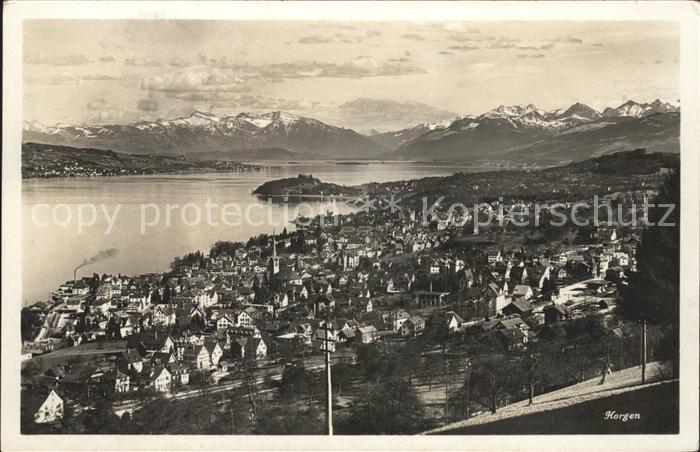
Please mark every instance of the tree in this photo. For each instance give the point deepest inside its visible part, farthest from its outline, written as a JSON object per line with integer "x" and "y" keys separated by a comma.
{"x": 490, "y": 380}
{"x": 167, "y": 296}
{"x": 548, "y": 288}
{"x": 370, "y": 360}
{"x": 237, "y": 413}
{"x": 606, "y": 351}
{"x": 390, "y": 408}
{"x": 410, "y": 359}
{"x": 102, "y": 420}
{"x": 341, "y": 376}
{"x": 434, "y": 364}
{"x": 250, "y": 386}
{"x": 293, "y": 382}
{"x": 535, "y": 366}
{"x": 653, "y": 292}
{"x": 492, "y": 374}
{"x": 290, "y": 419}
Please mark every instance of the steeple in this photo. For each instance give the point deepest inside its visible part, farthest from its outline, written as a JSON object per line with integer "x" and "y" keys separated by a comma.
{"x": 275, "y": 259}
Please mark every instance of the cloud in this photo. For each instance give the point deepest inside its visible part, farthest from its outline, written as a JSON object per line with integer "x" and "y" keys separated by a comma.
{"x": 57, "y": 60}
{"x": 567, "y": 40}
{"x": 147, "y": 105}
{"x": 107, "y": 59}
{"x": 538, "y": 55}
{"x": 142, "y": 62}
{"x": 351, "y": 36}
{"x": 658, "y": 62}
{"x": 464, "y": 48}
{"x": 387, "y": 114}
{"x": 449, "y": 27}
{"x": 98, "y": 103}
{"x": 360, "y": 67}
{"x": 68, "y": 78}
{"x": 549, "y": 45}
{"x": 195, "y": 79}
{"x": 315, "y": 39}
{"x": 445, "y": 52}
{"x": 413, "y": 37}
{"x": 501, "y": 46}
{"x": 367, "y": 66}
{"x": 262, "y": 103}
{"x": 101, "y": 111}
{"x": 219, "y": 63}
{"x": 98, "y": 77}
{"x": 114, "y": 115}
{"x": 470, "y": 37}
{"x": 179, "y": 62}
{"x": 527, "y": 48}
{"x": 198, "y": 96}
{"x": 597, "y": 44}
{"x": 482, "y": 66}
{"x": 65, "y": 79}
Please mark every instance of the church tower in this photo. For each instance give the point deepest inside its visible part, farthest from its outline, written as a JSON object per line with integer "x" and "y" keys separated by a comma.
{"x": 275, "y": 259}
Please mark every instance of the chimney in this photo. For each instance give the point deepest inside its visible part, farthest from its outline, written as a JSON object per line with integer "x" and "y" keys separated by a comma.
{"x": 75, "y": 271}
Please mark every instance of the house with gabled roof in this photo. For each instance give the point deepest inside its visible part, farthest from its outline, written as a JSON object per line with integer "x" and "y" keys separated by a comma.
{"x": 367, "y": 334}
{"x": 198, "y": 356}
{"x": 413, "y": 326}
{"x": 43, "y": 404}
{"x": 214, "y": 350}
{"x": 520, "y": 307}
{"x": 163, "y": 315}
{"x": 160, "y": 379}
{"x": 522, "y": 291}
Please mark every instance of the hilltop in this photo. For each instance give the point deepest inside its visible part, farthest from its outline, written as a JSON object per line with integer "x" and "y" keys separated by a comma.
{"x": 42, "y": 160}
{"x": 303, "y": 186}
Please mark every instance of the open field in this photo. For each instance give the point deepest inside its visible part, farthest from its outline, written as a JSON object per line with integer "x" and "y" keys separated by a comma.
{"x": 581, "y": 409}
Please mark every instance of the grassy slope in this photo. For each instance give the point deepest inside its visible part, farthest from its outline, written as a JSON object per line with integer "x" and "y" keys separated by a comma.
{"x": 581, "y": 408}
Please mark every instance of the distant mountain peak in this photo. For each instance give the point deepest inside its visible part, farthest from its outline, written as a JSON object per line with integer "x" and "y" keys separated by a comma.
{"x": 637, "y": 110}
{"x": 580, "y": 110}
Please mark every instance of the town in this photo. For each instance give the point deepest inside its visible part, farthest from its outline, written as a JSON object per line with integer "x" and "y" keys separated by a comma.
{"x": 240, "y": 332}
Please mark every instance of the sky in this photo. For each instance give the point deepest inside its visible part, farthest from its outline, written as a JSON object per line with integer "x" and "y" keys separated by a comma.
{"x": 361, "y": 75}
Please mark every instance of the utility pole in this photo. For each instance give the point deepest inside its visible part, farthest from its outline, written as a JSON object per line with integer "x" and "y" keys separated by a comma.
{"x": 447, "y": 398}
{"x": 622, "y": 345}
{"x": 468, "y": 370}
{"x": 328, "y": 346}
{"x": 644, "y": 350}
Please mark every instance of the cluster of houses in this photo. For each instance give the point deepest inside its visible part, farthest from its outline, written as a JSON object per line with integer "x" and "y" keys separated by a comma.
{"x": 360, "y": 281}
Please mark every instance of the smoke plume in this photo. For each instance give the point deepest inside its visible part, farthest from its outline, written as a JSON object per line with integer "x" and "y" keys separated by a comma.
{"x": 102, "y": 255}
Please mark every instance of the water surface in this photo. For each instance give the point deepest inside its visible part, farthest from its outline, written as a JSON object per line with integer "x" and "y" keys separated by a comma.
{"x": 51, "y": 251}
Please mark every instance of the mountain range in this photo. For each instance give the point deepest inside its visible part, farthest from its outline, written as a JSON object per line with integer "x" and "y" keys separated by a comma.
{"x": 520, "y": 133}
{"x": 205, "y": 133}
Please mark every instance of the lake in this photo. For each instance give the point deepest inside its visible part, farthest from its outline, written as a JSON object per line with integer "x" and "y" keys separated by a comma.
{"x": 126, "y": 211}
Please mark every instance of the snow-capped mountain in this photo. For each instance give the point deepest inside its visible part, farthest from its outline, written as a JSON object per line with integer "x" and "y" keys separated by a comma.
{"x": 636, "y": 110}
{"x": 509, "y": 129}
{"x": 395, "y": 139}
{"x": 207, "y": 132}
{"x": 500, "y": 131}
